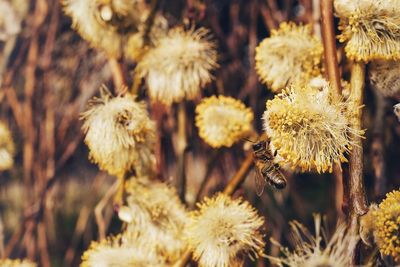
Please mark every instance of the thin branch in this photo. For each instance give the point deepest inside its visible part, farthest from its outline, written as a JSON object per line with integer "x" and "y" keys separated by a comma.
{"x": 182, "y": 146}
{"x": 329, "y": 41}
{"x": 358, "y": 200}
{"x": 98, "y": 211}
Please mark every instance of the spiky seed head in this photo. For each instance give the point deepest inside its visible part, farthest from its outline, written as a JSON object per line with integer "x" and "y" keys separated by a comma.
{"x": 386, "y": 225}
{"x": 290, "y": 54}
{"x": 7, "y": 148}
{"x": 384, "y": 76}
{"x": 179, "y": 65}
{"x": 155, "y": 212}
{"x": 371, "y": 29}
{"x": 120, "y": 134}
{"x": 223, "y": 120}
{"x": 309, "y": 128}
{"x": 316, "y": 250}
{"x": 223, "y": 230}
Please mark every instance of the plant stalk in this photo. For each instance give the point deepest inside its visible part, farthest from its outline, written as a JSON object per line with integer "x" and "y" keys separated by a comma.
{"x": 358, "y": 200}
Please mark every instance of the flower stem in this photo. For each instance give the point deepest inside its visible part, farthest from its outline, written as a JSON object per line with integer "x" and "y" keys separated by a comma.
{"x": 332, "y": 70}
{"x": 329, "y": 41}
{"x": 117, "y": 74}
{"x": 181, "y": 151}
{"x": 358, "y": 200}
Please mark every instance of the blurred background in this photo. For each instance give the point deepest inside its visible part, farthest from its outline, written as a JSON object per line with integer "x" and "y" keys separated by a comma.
{"x": 48, "y": 73}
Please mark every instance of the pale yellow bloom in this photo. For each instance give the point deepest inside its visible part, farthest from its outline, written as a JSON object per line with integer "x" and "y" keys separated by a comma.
{"x": 155, "y": 213}
{"x": 179, "y": 65}
{"x": 386, "y": 226}
{"x": 309, "y": 128}
{"x": 371, "y": 28}
{"x": 107, "y": 24}
{"x": 309, "y": 251}
{"x": 10, "y": 23}
{"x": 223, "y": 230}
{"x": 17, "y": 263}
{"x": 385, "y": 76}
{"x": 222, "y": 120}
{"x": 120, "y": 134}
{"x": 122, "y": 251}
{"x": 7, "y": 148}
{"x": 292, "y": 53}
{"x": 396, "y": 110}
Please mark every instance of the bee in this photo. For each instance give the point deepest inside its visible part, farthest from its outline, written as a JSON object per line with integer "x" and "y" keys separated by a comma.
{"x": 265, "y": 168}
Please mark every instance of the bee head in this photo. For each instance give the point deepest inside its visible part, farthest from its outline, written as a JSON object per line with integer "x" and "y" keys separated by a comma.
{"x": 257, "y": 146}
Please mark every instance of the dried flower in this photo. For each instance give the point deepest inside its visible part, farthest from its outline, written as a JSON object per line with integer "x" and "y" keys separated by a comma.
{"x": 385, "y": 76}
{"x": 16, "y": 263}
{"x": 309, "y": 252}
{"x": 292, "y": 53}
{"x": 120, "y": 135}
{"x": 387, "y": 225}
{"x": 10, "y": 23}
{"x": 223, "y": 120}
{"x": 106, "y": 24}
{"x": 309, "y": 128}
{"x": 179, "y": 65}
{"x": 223, "y": 230}
{"x": 154, "y": 212}
{"x": 121, "y": 251}
{"x": 396, "y": 110}
{"x": 371, "y": 28}
{"x": 6, "y": 148}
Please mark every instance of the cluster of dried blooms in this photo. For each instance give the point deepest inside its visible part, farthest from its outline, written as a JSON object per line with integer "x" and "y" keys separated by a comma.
{"x": 309, "y": 126}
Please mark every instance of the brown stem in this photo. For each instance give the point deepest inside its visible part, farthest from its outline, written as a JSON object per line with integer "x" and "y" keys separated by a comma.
{"x": 181, "y": 151}
{"x": 358, "y": 200}
{"x": 117, "y": 74}
{"x": 329, "y": 41}
{"x": 240, "y": 175}
{"x": 332, "y": 70}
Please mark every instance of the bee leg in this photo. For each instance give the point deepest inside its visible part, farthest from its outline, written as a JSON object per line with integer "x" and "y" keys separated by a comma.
{"x": 275, "y": 153}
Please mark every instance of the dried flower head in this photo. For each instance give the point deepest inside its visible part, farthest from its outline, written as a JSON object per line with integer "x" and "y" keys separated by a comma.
{"x": 224, "y": 230}
{"x": 309, "y": 251}
{"x": 154, "y": 212}
{"x": 16, "y": 263}
{"x": 122, "y": 251}
{"x": 10, "y": 23}
{"x": 223, "y": 120}
{"x": 370, "y": 28}
{"x": 292, "y": 53}
{"x": 6, "y": 148}
{"x": 120, "y": 134}
{"x": 106, "y": 23}
{"x": 179, "y": 65}
{"x": 387, "y": 225}
{"x": 385, "y": 76}
{"x": 309, "y": 128}
{"x": 396, "y": 110}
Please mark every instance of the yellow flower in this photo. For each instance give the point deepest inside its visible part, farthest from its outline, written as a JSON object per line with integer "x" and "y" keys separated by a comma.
{"x": 387, "y": 225}
{"x": 308, "y": 128}
{"x": 122, "y": 251}
{"x": 179, "y": 65}
{"x": 223, "y": 120}
{"x": 223, "y": 230}
{"x": 370, "y": 28}
{"x": 309, "y": 251}
{"x": 154, "y": 212}
{"x": 106, "y": 24}
{"x": 292, "y": 53}
{"x": 120, "y": 134}
{"x": 6, "y": 148}
{"x": 16, "y": 263}
{"x": 385, "y": 76}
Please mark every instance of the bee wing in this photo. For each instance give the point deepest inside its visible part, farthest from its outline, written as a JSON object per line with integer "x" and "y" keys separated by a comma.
{"x": 260, "y": 181}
